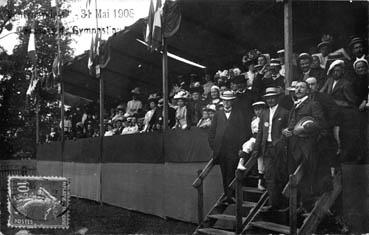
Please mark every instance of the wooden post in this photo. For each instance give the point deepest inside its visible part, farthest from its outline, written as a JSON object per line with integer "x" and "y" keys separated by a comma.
{"x": 288, "y": 42}
{"x": 293, "y": 205}
{"x": 239, "y": 200}
{"x": 37, "y": 121}
{"x": 101, "y": 134}
{"x": 165, "y": 84}
{"x": 200, "y": 201}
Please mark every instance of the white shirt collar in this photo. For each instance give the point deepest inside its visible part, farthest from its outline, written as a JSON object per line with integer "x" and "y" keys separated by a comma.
{"x": 272, "y": 109}
{"x": 300, "y": 101}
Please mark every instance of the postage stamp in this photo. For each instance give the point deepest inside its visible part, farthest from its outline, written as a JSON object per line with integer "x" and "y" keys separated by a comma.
{"x": 38, "y": 202}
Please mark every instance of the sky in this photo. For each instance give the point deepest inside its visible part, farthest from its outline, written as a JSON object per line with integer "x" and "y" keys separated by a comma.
{"x": 113, "y": 16}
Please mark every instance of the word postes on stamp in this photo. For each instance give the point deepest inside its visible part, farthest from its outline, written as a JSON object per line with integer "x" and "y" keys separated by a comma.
{"x": 38, "y": 202}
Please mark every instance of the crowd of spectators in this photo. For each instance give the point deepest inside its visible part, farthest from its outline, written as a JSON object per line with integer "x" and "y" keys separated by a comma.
{"x": 194, "y": 99}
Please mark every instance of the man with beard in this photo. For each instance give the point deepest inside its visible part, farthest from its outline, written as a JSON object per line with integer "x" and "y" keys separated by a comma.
{"x": 302, "y": 138}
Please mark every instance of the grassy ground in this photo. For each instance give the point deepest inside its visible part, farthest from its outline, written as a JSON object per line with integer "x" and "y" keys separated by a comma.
{"x": 108, "y": 219}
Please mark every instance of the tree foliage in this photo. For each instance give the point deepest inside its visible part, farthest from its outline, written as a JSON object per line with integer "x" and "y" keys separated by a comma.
{"x": 17, "y": 119}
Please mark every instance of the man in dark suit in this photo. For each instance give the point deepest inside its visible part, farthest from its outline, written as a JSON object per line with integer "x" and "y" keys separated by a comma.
{"x": 305, "y": 71}
{"x": 341, "y": 90}
{"x": 328, "y": 145}
{"x": 270, "y": 144}
{"x": 243, "y": 104}
{"x": 302, "y": 147}
{"x": 225, "y": 139}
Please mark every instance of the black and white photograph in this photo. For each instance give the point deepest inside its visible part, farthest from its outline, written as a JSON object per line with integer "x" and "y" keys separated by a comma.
{"x": 199, "y": 117}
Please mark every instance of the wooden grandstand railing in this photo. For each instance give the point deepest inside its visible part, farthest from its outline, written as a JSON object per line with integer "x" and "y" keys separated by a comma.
{"x": 198, "y": 184}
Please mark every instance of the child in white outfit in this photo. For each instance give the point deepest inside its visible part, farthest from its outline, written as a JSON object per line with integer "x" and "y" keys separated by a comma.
{"x": 248, "y": 146}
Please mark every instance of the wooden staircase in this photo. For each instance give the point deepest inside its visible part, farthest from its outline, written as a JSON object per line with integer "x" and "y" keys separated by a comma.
{"x": 249, "y": 214}
{"x": 222, "y": 217}
{"x": 309, "y": 221}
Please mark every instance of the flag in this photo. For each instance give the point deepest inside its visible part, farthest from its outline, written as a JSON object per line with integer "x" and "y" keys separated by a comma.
{"x": 156, "y": 28}
{"x": 32, "y": 46}
{"x": 32, "y": 84}
{"x": 56, "y": 67}
{"x": 150, "y": 20}
{"x": 93, "y": 58}
{"x": 91, "y": 55}
{"x": 31, "y": 50}
{"x": 171, "y": 18}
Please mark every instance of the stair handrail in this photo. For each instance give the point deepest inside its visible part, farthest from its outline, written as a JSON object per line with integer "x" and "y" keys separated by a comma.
{"x": 240, "y": 175}
{"x": 200, "y": 178}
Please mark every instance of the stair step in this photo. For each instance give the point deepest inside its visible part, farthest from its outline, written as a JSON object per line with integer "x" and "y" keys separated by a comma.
{"x": 248, "y": 204}
{"x": 252, "y": 190}
{"x": 223, "y": 217}
{"x": 280, "y": 228}
{"x": 215, "y": 231}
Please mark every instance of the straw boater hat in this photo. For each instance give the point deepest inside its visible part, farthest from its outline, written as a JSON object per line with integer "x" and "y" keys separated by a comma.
{"x": 275, "y": 62}
{"x": 355, "y": 40}
{"x": 305, "y": 55}
{"x": 306, "y": 126}
{"x": 334, "y": 64}
{"x": 280, "y": 52}
{"x": 258, "y": 103}
{"x": 228, "y": 95}
{"x": 272, "y": 91}
{"x": 323, "y": 44}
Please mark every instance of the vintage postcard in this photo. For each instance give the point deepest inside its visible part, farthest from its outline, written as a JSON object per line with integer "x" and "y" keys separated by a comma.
{"x": 38, "y": 202}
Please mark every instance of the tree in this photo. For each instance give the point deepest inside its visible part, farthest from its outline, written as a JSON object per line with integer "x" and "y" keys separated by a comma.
{"x": 17, "y": 122}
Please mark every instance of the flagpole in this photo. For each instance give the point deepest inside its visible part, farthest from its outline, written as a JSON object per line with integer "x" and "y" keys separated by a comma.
{"x": 58, "y": 73}
{"x": 165, "y": 84}
{"x": 101, "y": 100}
{"x": 37, "y": 110}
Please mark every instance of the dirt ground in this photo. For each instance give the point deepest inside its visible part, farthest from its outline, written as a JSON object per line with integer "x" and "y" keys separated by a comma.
{"x": 106, "y": 219}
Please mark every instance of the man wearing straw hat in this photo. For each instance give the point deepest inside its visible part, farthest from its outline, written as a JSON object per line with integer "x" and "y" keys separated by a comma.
{"x": 225, "y": 139}
{"x": 270, "y": 145}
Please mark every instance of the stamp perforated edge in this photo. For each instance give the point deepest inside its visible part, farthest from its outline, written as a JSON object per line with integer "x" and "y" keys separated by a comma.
{"x": 60, "y": 178}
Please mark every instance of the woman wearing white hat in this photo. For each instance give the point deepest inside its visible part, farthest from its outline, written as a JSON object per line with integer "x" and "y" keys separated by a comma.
{"x": 182, "y": 113}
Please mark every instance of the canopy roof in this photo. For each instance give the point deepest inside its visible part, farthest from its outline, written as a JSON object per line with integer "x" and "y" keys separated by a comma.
{"x": 215, "y": 34}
